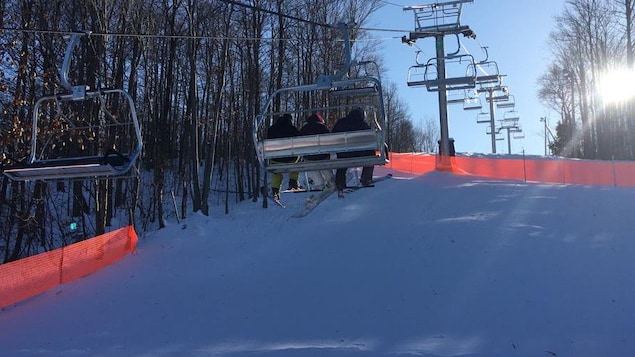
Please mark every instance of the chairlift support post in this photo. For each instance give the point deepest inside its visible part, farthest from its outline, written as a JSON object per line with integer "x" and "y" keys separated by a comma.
{"x": 492, "y": 123}
{"x": 108, "y": 164}
{"x": 495, "y": 94}
{"x": 438, "y": 20}
{"x": 514, "y": 129}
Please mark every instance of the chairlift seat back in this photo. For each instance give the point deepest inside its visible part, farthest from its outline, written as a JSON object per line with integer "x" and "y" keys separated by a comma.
{"x": 337, "y": 100}
{"x": 66, "y": 127}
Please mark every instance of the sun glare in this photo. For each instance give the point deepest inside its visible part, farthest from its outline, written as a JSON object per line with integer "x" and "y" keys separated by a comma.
{"x": 618, "y": 86}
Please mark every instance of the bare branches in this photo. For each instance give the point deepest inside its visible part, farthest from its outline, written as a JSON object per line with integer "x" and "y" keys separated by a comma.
{"x": 592, "y": 38}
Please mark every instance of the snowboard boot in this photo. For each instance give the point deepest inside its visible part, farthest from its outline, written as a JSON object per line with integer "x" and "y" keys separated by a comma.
{"x": 367, "y": 183}
{"x": 275, "y": 193}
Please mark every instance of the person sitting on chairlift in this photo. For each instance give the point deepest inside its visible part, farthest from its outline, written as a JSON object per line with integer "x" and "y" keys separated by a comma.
{"x": 355, "y": 120}
{"x": 314, "y": 124}
{"x": 283, "y": 128}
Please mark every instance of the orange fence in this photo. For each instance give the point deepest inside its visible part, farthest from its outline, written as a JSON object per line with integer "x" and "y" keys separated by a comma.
{"x": 25, "y": 278}
{"x": 536, "y": 169}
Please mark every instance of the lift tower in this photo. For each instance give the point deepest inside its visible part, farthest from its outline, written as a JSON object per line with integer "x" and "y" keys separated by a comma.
{"x": 439, "y": 20}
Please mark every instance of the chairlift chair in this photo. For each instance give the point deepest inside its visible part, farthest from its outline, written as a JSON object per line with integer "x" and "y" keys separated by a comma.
{"x": 510, "y": 103}
{"x": 500, "y": 94}
{"x": 518, "y": 133}
{"x": 332, "y": 97}
{"x": 80, "y": 134}
{"x": 483, "y": 118}
{"x": 486, "y": 73}
{"x": 488, "y": 130}
{"x": 511, "y": 116}
{"x": 418, "y": 73}
{"x": 342, "y": 96}
{"x": 472, "y": 103}
{"x": 428, "y": 75}
{"x": 456, "y": 97}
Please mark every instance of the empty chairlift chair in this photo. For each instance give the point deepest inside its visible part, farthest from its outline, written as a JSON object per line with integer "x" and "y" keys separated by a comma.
{"x": 472, "y": 103}
{"x": 80, "y": 134}
{"x": 510, "y": 103}
{"x": 456, "y": 75}
{"x": 485, "y": 71}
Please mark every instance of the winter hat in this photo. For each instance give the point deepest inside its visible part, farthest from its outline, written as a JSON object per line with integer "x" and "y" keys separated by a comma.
{"x": 315, "y": 118}
{"x": 286, "y": 119}
{"x": 357, "y": 114}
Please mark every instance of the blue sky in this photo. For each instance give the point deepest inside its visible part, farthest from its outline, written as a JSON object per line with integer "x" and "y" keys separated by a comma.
{"x": 516, "y": 34}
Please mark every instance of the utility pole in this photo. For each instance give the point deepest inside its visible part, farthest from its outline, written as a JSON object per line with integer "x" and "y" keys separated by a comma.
{"x": 544, "y": 120}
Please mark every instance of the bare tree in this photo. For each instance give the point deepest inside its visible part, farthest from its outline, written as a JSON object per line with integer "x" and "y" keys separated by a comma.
{"x": 428, "y": 136}
{"x": 588, "y": 43}
{"x": 198, "y": 73}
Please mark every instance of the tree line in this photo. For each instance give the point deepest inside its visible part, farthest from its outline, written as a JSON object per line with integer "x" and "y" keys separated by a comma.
{"x": 198, "y": 71}
{"x": 592, "y": 40}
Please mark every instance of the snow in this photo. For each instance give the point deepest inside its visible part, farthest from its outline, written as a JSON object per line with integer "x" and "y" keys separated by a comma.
{"x": 430, "y": 265}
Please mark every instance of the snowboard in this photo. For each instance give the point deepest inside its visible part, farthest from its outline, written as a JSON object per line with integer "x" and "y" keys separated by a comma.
{"x": 316, "y": 180}
{"x": 350, "y": 189}
{"x": 314, "y": 200}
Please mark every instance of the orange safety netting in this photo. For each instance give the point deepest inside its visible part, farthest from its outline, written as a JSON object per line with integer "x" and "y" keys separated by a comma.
{"x": 28, "y": 277}
{"x": 548, "y": 170}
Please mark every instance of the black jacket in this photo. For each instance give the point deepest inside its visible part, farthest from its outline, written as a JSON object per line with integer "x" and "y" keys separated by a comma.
{"x": 283, "y": 128}
{"x": 314, "y": 124}
{"x": 352, "y": 122}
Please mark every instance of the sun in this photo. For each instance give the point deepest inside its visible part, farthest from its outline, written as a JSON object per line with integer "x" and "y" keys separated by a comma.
{"x": 618, "y": 86}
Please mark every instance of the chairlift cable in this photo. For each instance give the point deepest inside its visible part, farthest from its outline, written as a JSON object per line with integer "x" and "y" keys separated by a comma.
{"x": 271, "y": 12}
{"x": 189, "y": 37}
{"x": 115, "y": 34}
{"x": 391, "y": 3}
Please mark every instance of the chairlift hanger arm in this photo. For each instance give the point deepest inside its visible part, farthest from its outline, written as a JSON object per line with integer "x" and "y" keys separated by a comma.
{"x": 417, "y": 57}
{"x": 458, "y": 47}
{"x": 484, "y": 48}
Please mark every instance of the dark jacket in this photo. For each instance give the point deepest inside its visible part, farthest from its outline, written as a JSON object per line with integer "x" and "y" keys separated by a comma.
{"x": 352, "y": 122}
{"x": 314, "y": 124}
{"x": 283, "y": 128}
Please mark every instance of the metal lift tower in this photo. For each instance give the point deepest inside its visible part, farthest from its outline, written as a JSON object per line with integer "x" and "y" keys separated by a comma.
{"x": 439, "y": 20}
